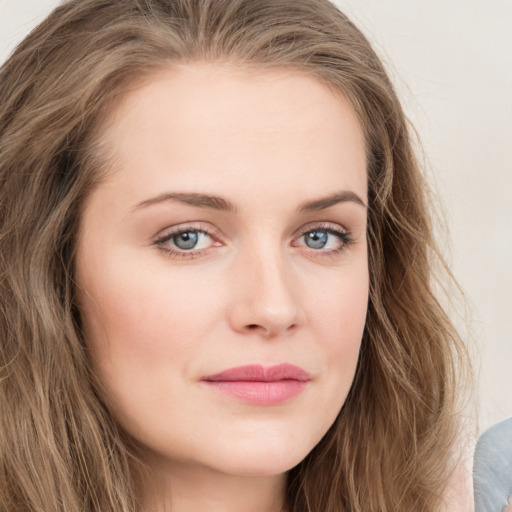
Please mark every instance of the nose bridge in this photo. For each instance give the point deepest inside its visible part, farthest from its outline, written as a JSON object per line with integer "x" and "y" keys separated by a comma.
{"x": 267, "y": 300}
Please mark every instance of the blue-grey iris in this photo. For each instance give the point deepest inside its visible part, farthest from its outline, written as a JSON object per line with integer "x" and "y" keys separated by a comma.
{"x": 186, "y": 240}
{"x": 316, "y": 239}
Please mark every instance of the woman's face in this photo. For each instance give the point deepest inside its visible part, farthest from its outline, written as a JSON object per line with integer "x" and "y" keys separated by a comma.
{"x": 222, "y": 266}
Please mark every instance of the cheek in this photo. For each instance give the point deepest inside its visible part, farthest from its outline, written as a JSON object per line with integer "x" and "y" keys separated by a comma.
{"x": 341, "y": 318}
{"x": 340, "y": 304}
{"x": 141, "y": 312}
{"x": 138, "y": 322}
{"x": 143, "y": 335}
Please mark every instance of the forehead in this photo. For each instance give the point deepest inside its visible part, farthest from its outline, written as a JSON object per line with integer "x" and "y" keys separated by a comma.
{"x": 215, "y": 122}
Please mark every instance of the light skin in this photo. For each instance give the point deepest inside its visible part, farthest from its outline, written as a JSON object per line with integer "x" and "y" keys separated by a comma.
{"x": 230, "y": 232}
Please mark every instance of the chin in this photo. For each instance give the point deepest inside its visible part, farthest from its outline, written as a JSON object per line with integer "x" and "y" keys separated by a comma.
{"x": 258, "y": 460}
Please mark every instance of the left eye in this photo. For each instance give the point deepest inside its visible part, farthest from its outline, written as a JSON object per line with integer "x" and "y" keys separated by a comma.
{"x": 323, "y": 239}
{"x": 190, "y": 239}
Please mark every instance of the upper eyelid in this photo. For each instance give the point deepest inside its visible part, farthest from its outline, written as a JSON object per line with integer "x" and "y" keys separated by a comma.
{"x": 326, "y": 225}
{"x": 162, "y": 242}
{"x": 213, "y": 231}
{"x": 183, "y": 228}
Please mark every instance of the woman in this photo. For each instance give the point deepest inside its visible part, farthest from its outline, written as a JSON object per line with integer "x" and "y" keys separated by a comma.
{"x": 216, "y": 268}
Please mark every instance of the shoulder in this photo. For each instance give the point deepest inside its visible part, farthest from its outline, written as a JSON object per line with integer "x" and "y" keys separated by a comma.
{"x": 496, "y": 439}
{"x": 492, "y": 470}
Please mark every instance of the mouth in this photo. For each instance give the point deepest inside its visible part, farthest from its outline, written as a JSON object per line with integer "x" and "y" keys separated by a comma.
{"x": 260, "y": 385}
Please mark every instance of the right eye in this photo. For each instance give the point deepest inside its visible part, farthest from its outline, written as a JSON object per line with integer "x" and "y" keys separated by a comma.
{"x": 190, "y": 239}
{"x": 186, "y": 242}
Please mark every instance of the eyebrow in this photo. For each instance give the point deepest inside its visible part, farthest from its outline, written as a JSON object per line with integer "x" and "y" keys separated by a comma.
{"x": 326, "y": 202}
{"x": 219, "y": 203}
{"x": 192, "y": 199}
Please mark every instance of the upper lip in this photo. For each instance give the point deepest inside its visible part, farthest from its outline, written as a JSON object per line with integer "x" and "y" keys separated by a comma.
{"x": 259, "y": 373}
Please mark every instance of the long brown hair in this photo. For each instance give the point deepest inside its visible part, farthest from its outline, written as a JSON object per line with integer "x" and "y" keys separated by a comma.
{"x": 60, "y": 449}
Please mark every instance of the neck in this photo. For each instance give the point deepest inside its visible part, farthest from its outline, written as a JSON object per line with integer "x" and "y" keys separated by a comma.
{"x": 188, "y": 488}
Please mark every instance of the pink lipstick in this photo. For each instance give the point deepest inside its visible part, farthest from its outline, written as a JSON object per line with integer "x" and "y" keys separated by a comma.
{"x": 260, "y": 385}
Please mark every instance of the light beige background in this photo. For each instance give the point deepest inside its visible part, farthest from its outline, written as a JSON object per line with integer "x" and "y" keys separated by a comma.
{"x": 452, "y": 63}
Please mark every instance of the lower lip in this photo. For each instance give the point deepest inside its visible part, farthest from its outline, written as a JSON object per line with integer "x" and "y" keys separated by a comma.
{"x": 259, "y": 392}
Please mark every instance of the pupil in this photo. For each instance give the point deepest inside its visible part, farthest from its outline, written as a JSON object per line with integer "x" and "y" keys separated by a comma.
{"x": 187, "y": 240}
{"x": 316, "y": 239}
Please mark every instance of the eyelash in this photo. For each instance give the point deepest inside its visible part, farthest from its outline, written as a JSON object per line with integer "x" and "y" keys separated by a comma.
{"x": 162, "y": 243}
{"x": 345, "y": 238}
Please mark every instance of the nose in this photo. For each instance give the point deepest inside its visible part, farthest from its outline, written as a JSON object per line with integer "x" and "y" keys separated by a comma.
{"x": 266, "y": 298}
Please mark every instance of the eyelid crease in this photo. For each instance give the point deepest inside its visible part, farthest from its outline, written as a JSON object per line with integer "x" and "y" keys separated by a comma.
{"x": 201, "y": 226}
{"x": 325, "y": 225}
{"x": 183, "y": 227}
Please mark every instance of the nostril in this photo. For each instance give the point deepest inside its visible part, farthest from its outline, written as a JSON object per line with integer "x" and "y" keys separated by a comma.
{"x": 268, "y": 332}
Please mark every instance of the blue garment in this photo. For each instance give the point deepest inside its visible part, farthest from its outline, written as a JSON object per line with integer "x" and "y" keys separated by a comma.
{"x": 492, "y": 470}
